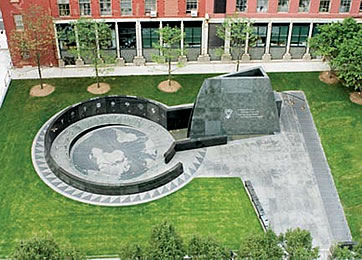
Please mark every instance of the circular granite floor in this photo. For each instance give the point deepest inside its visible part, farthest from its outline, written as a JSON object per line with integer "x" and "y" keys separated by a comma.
{"x": 122, "y": 152}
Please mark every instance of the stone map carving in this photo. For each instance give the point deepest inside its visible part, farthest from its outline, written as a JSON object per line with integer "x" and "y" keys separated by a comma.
{"x": 118, "y": 152}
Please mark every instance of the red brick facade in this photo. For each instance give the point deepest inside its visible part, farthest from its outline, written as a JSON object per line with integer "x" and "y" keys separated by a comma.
{"x": 176, "y": 10}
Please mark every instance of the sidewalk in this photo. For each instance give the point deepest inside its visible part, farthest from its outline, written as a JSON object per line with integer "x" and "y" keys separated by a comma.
{"x": 5, "y": 65}
{"x": 190, "y": 68}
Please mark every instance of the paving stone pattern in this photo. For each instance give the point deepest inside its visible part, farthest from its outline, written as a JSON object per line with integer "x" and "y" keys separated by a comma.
{"x": 332, "y": 204}
{"x": 289, "y": 173}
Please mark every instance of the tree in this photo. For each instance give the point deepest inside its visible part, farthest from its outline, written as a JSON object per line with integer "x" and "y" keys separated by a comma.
{"x": 297, "y": 244}
{"x": 348, "y": 62}
{"x": 93, "y": 37}
{"x": 339, "y": 44}
{"x": 36, "y": 41}
{"x": 237, "y": 31}
{"x": 37, "y": 248}
{"x": 165, "y": 243}
{"x": 168, "y": 46}
{"x": 206, "y": 248}
{"x": 342, "y": 252}
{"x": 265, "y": 246}
{"x": 132, "y": 252}
{"x": 40, "y": 248}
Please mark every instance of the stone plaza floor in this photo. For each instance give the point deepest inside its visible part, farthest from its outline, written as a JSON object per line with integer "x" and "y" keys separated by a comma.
{"x": 289, "y": 173}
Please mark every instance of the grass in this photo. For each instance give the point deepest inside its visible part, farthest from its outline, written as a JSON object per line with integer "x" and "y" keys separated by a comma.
{"x": 217, "y": 207}
{"x": 206, "y": 206}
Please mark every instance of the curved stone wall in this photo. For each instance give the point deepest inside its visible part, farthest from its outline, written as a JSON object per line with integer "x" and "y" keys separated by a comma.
{"x": 134, "y": 107}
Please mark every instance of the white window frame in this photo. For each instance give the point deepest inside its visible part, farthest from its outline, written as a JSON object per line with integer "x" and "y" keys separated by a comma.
{"x": 304, "y": 9}
{"x": 344, "y": 4}
{"x": 18, "y": 20}
{"x": 191, "y": 5}
{"x": 241, "y": 5}
{"x": 105, "y": 11}
{"x": 262, "y": 6}
{"x": 320, "y": 6}
{"x": 283, "y": 8}
{"x": 63, "y": 7}
{"x": 126, "y": 7}
{"x": 83, "y": 7}
{"x": 150, "y": 5}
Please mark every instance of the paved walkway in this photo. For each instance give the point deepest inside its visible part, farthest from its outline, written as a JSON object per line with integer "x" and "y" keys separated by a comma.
{"x": 289, "y": 173}
{"x": 4, "y": 74}
{"x": 191, "y": 68}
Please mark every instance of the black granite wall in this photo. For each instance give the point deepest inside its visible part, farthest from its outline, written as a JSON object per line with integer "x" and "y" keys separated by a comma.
{"x": 169, "y": 118}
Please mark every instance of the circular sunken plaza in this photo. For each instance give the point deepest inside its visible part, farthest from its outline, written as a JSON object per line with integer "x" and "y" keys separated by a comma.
{"x": 111, "y": 151}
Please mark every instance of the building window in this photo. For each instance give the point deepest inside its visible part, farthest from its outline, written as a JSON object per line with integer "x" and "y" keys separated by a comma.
{"x": 149, "y": 37}
{"x": 150, "y": 5}
{"x": 279, "y": 35}
{"x": 241, "y": 5}
{"x": 300, "y": 35}
{"x": 220, "y": 6}
{"x": 127, "y": 35}
{"x": 63, "y": 7}
{"x": 262, "y": 6}
{"x": 283, "y": 5}
{"x": 193, "y": 37}
{"x": 18, "y": 19}
{"x": 261, "y": 33}
{"x": 105, "y": 6}
{"x": 126, "y": 7}
{"x": 324, "y": 6}
{"x": 85, "y": 7}
{"x": 345, "y": 6}
{"x": 191, "y": 5}
{"x": 304, "y": 6}
{"x": 360, "y": 7}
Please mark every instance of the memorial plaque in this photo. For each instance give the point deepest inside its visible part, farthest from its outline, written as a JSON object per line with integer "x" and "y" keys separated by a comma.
{"x": 235, "y": 104}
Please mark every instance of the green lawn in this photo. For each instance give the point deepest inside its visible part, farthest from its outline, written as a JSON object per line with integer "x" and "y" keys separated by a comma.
{"x": 217, "y": 207}
{"x": 205, "y": 206}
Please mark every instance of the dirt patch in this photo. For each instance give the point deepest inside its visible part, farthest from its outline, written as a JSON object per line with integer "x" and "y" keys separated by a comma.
{"x": 169, "y": 88}
{"x": 328, "y": 77}
{"x": 37, "y": 91}
{"x": 102, "y": 89}
{"x": 356, "y": 97}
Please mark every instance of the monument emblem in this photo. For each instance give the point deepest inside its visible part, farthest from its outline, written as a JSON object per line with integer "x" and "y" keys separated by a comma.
{"x": 228, "y": 113}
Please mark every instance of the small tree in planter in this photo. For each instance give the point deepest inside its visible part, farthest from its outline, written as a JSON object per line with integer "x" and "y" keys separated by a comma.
{"x": 93, "y": 36}
{"x": 237, "y": 31}
{"x": 36, "y": 40}
{"x": 169, "y": 48}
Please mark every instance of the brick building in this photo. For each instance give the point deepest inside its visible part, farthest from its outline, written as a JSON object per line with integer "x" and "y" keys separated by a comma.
{"x": 283, "y": 26}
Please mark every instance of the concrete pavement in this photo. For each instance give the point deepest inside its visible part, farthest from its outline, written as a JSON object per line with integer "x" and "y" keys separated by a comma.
{"x": 5, "y": 65}
{"x": 153, "y": 69}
